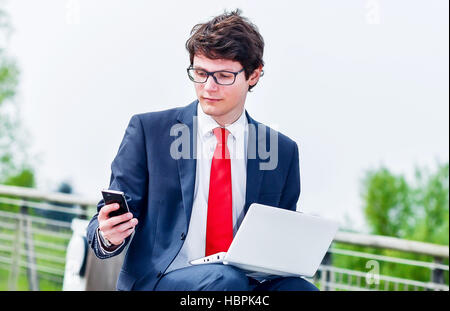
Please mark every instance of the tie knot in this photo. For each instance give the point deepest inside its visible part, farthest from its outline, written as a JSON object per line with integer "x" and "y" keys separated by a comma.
{"x": 221, "y": 134}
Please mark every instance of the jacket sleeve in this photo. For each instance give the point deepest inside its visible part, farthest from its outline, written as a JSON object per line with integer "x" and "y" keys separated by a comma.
{"x": 128, "y": 174}
{"x": 291, "y": 189}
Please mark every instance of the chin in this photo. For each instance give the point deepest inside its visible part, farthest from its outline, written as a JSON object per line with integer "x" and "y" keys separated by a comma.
{"x": 211, "y": 109}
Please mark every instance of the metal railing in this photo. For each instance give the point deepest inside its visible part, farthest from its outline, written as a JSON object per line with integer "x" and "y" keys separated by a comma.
{"x": 369, "y": 276}
{"x": 35, "y": 229}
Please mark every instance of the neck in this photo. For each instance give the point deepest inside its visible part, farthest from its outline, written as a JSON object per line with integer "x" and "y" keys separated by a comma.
{"x": 228, "y": 119}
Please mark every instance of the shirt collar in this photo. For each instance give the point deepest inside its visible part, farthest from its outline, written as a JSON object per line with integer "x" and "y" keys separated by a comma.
{"x": 206, "y": 124}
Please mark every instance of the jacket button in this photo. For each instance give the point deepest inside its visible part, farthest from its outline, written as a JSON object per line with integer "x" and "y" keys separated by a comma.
{"x": 183, "y": 235}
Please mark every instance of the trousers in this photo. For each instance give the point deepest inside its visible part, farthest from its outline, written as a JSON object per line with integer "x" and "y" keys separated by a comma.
{"x": 219, "y": 277}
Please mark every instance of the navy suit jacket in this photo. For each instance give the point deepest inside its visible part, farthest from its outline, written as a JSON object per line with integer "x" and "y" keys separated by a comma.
{"x": 160, "y": 189}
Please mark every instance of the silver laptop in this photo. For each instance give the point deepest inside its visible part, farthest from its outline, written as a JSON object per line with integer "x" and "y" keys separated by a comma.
{"x": 275, "y": 241}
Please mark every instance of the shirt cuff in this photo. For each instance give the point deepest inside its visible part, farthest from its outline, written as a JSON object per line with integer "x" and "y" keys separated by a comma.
{"x": 102, "y": 247}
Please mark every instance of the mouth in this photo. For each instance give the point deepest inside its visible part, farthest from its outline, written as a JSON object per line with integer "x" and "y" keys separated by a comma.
{"x": 212, "y": 100}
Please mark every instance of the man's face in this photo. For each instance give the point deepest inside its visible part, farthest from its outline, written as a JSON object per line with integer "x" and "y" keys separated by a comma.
{"x": 224, "y": 103}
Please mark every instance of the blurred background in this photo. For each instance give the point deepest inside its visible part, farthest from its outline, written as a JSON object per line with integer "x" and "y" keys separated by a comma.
{"x": 362, "y": 86}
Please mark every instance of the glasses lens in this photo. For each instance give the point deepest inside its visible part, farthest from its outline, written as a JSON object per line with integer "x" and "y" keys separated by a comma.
{"x": 224, "y": 78}
{"x": 197, "y": 75}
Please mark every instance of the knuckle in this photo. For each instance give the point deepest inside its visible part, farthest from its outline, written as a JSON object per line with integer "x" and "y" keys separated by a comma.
{"x": 124, "y": 230}
{"x": 104, "y": 223}
{"x": 115, "y": 229}
{"x": 104, "y": 212}
{"x": 125, "y": 226}
{"x": 129, "y": 232}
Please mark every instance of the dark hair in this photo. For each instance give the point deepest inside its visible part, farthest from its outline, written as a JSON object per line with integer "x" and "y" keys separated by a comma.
{"x": 228, "y": 36}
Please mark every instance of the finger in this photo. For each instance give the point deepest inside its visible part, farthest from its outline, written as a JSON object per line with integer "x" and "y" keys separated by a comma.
{"x": 125, "y": 226}
{"x": 127, "y": 233}
{"x": 113, "y": 221}
{"x": 108, "y": 224}
{"x": 122, "y": 236}
{"x": 116, "y": 237}
{"x": 105, "y": 210}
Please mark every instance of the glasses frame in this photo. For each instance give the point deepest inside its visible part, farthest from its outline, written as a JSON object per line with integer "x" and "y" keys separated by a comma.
{"x": 211, "y": 73}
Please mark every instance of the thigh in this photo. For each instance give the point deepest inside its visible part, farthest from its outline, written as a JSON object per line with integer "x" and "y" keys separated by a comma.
{"x": 216, "y": 277}
{"x": 286, "y": 284}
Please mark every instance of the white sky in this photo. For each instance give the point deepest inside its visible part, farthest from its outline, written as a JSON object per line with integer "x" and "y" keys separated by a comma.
{"x": 356, "y": 84}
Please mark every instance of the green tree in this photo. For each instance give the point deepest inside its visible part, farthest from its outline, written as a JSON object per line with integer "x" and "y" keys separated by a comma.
{"x": 14, "y": 165}
{"x": 418, "y": 210}
{"x": 432, "y": 199}
{"x": 415, "y": 210}
{"x": 388, "y": 205}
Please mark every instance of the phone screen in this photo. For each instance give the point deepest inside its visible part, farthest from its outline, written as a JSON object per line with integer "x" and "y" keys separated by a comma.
{"x": 110, "y": 197}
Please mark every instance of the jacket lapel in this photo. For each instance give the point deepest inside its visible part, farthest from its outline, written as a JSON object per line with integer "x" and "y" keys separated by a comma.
{"x": 187, "y": 166}
{"x": 254, "y": 173}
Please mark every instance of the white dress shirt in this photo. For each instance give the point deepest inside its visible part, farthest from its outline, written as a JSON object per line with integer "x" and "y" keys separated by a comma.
{"x": 194, "y": 245}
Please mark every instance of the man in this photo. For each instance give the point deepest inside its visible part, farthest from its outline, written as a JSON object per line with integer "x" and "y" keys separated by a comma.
{"x": 190, "y": 173}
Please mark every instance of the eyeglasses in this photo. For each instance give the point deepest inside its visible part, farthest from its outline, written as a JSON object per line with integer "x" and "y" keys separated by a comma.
{"x": 221, "y": 77}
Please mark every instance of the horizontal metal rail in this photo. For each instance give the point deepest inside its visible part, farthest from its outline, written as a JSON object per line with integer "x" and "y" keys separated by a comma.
{"x": 8, "y": 225}
{"x": 40, "y": 268}
{"x": 35, "y": 194}
{"x": 35, "y": 219}
{"x": 429, "y": 265}
{"x": 37, "y": 255}
{"x": 379, "y": 241}
{"x": 55, "y": 234}
{"x": 7, "y": 237}
{"x": 430, "y": 285}
{"x": 44, "y": 206}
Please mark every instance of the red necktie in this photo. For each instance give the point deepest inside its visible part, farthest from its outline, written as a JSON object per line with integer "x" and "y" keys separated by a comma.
{"x": 219, "y": 223}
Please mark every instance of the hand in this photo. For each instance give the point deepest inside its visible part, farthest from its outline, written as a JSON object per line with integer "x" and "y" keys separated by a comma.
{"x": 115, "y": 229}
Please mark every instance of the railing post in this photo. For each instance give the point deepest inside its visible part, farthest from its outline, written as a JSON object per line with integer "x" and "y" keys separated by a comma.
{"x": 33, "y": 283}
{"x": 437, "y": 274}
{"x": 327, "y": 261}
{"x": 15, "y": 256}
{"x": 84, "y": 212}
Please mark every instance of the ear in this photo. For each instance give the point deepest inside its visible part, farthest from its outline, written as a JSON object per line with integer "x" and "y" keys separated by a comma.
{"x": 254, "y": 77}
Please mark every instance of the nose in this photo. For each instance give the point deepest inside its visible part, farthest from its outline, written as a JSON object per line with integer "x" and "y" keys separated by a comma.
{"x": 210, "y": 84}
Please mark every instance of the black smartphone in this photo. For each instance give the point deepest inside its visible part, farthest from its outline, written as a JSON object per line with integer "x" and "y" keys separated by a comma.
{"x": 113, "y": 196}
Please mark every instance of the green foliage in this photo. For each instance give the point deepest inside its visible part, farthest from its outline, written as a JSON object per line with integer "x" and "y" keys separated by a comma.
{"x": 432, "y": 199}
{"x": 8, "y": 78}
{"x": 414, "y": 210}
{"x": 418, "y": 210}
{"x": 25, "y": 178}
{"x": 14, "y": 169}
{"x": 388, "y": 203}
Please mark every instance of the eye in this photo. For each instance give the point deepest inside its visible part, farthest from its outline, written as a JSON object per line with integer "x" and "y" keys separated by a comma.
{"x": 225, "y": 75}
{"x": 200, "y": 73}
